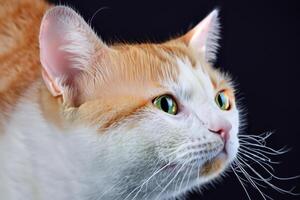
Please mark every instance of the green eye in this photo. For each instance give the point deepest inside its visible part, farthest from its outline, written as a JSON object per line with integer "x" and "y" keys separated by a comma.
{"x": 166, "y": 103}
{"x": 222, "y": 100}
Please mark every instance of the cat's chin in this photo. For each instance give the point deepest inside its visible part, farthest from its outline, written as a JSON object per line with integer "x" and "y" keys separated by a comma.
{"x": 214, "y": 166}
{"x": 205, "y": 170}
{"x": 202, "y": 174}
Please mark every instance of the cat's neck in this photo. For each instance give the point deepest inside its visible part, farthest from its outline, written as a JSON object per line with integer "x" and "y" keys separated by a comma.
{"x": 50, "y": 108}
{"x": 35, "y": 136}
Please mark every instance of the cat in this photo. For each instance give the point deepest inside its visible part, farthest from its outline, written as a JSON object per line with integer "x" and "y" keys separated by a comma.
{"x": 81, "y": 119}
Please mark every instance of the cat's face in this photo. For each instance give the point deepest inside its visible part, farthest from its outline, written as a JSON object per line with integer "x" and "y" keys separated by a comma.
{"x": 166, "y": 120}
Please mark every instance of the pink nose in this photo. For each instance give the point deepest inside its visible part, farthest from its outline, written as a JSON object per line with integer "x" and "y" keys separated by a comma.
{"x": 220, "y": 127}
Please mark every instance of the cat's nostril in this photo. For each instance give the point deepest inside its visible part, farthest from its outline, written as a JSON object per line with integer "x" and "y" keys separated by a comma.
{"x": 221, "y": 127}
{"x": 216, "y": 131}
{"x": 224, "y": 133}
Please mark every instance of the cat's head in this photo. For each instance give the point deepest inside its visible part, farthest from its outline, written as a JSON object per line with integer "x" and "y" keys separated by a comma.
{"x": 165, "y": 120}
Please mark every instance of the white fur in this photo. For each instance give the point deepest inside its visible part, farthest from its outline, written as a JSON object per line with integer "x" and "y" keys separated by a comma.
{"x": 40, "y": 162}
{"x": 133, "y": 159}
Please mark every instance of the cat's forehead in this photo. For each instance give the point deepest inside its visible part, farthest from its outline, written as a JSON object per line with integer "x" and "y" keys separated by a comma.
{"x": 162, "y": 52}
{"x": 143, "y": 70}
{"x": 166, "y": 62}
{"x": 152, "y": 62}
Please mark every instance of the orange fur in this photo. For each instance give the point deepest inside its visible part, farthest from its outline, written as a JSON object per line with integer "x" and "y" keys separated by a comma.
{"x": 19, "y": 51}
{"x": 130, "y": 70}
{"x": 212, "y": 167}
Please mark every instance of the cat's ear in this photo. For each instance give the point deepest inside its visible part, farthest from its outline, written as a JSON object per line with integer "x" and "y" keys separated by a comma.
{"x": 203, "y": 38}
{"x": 67, "y": 44}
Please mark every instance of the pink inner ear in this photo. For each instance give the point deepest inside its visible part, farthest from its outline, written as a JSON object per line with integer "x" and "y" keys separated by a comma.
{"x": 54, "y": 60}
{"x": 200, "y": 34}
{"x": 203, "y": 37}
{"x": 66, "y": 46}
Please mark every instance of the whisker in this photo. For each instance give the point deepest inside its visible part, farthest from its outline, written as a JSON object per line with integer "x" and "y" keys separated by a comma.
{"x": 253, "y": 183}
{"x": 171, "y": 180}
{"x": 271, "y": 174}
{"x": 147, "y": 180}
{"x": 260, "y": 155}
{"x": 270, "y": 184}
{"x": 185, "y": 173}
{"x": 97, "y": 11}
{"x": 254, "y": 150}
{"x": 261, "y": 137}
{"x": 241, "y": 183}
{"x": 156, "y": 172}
{"x": 110, "y": 189}
{"x": 188, "y": 181}
{"x": 266, "y": 149}
{"x": 254, "y": 179}
{"x": 248, "y": 155}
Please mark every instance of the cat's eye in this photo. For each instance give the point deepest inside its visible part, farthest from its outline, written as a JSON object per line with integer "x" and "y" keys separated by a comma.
{"x": 166, "y": 103}
{"x": 222, "y": 100}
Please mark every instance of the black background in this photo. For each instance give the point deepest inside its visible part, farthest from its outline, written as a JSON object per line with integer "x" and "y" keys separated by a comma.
{"x": 259, "y": 47}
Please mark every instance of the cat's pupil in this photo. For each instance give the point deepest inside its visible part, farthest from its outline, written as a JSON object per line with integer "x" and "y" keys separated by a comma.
{"x": 220, "y": 100}
{"x": 164, "y": 104}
